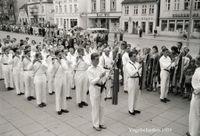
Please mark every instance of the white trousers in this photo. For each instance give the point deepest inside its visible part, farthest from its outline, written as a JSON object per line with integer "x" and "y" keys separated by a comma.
{"x": 133, "y": 93}
{"x": 21, "y": 81}
{"x": 28, "y": 84}
{"x": 97, "y": 103}
{"x": 108, "y": 91}
{"x": 194, "y": 116}
{"x": 7, "y": 74}
{"x": 16, "y": 79}
{"x": 69, "y": 80}
{"x": 81, "y": 82}
{"x": 125, "y": 79}
{"x": 40, "y": 82}
{"x": 50, "y": 82}
{"x": 164, "y": 75}
{"x": 1, "y": 71}
{"x": 60, "y": 93}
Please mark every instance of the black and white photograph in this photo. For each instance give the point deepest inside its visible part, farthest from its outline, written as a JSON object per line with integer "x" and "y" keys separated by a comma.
{"x": 99, "y": 67}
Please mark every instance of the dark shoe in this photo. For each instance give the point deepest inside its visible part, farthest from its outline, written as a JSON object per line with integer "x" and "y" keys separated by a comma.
{"x": 109, "y": 98}
{"x": 33, "y": 98}
{"x": 132, "y": 113}
{"x": 188, "y": 134}
{"x": 84, "y": 103}
{"x": 64, "y": 111}
{"x": 97, "y": 128}
{"x": 40, "y": 105}
{"x": 44, "y": 104}
{"x": 51, "y": 93}
{"x": 29, "y": 98}
{"x": 125, "y": 91}
{"x": 87, "y": 92}
{"x": 1, "y": 79}
{"x": 167, "y": 100}
{"x": 59, "y": 112}
{"x": 10, "y": 88}
{"x": 80, "y": 105}
{"x": 105, "y": 99}
{"x": 163, "y": 100}
{"x": 102, "y": 127}
{"x": 21, "y": 93}
{"x": 69, "y": 98}
{"x": 137, "y": 111}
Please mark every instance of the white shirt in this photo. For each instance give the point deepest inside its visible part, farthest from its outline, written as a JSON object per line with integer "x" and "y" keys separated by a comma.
{"x": 94, "y": 77}
{"x": 125, "y": 58}
{"x": 165, "y": 62}
{"x": 132, "y": 69}
{"x": 196, "y": 81}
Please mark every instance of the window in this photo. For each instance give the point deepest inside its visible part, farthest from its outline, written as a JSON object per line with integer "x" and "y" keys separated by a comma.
{"x": 144, "y": 9}
{"x": 171, "y": 25}
{"x": 113, "y": 5}
{"x": 126, "y": 26}
{"x": 164, "y": 25}
{"x": 126, "y": 10}
{"x": 65, "y": 8}
{"x": 186, "y": 25}
{"x": 61, "y": 21}
{"x": 176, "y": 4}
{"x": 197, "y": 4}
{"x": 179, "y": 25}
{"x": 94, "y": 6}
{"x": 70, "y": 8}
{"x": 57, "y": 21}
{"x": 168, "y": 2}
{"x": 56, "y": 9}
{"x": 103, "y": 5}
{"x": 196, "y": 26}
{"x": 151, "y": 9}
{"x": 42, "y": 9}
{"x": 187, "y": 4}
{"x": 135, "y": 10}
{"x": 60, "y": 9}
{"x": 75, "y": 8}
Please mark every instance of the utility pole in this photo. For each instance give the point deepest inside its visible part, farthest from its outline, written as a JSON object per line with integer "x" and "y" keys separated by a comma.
{"x": 190, "y": 22}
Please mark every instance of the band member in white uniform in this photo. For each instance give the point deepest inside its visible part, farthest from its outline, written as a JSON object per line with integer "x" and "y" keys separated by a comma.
{"x": 194, "y": 115}
{"x": 106, "y": 63}
{"x": 39, "y": 68}
{"x": 7, "y": 68}
{"x": 96, "y": 75}
{"x": 59, "y": 68}
{"x": 16, "y": 70}
{"x": 28, "y": 79}
{"x": 133, "y": 70}
{"x": 80, "y": 82}
{"x": 165, "y": 65}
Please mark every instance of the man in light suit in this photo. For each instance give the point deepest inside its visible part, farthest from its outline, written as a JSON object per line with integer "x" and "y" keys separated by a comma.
{"x": 96, "y": 76}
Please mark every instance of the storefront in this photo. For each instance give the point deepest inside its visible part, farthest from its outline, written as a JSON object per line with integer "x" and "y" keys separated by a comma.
{"x": 178, "y": 24}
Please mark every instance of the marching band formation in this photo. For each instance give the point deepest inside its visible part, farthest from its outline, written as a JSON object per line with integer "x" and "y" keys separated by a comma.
{"x": 86, "y": 66}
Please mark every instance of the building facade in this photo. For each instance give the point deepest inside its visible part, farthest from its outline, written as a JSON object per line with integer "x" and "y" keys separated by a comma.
{"x": 104, "y": 14}
{"x": 23, "y": 18}
{"x": 139, "y": 14}
{"x": 40, "y": 11}
{"x": 175, "y": 16}
{"x": 70, "y": 13}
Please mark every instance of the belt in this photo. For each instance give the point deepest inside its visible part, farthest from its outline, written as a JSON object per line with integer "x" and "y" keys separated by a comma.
{"x": 106, "y": 68}
{"x": 5, "y": 63}
{"x": 167, "y": 70}
{"x": 134, "y": 77}
{"x": 102, "y": 86}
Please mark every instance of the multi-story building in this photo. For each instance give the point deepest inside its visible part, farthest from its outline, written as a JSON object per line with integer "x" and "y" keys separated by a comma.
{"x": 175, "y": 16}
{"x": 40, "y": 11}
{"x": 23, "y": 18}
{"x": 104, "y": 13}
{"x": 139, "y": 14}
{"x": 70, "y": 13}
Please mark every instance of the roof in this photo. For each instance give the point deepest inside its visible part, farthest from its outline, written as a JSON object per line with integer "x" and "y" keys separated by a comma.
{"x": 137, "y": 1}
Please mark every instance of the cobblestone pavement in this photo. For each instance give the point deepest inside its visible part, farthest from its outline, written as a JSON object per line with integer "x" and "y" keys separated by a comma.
{"x": 18, "y": 117}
